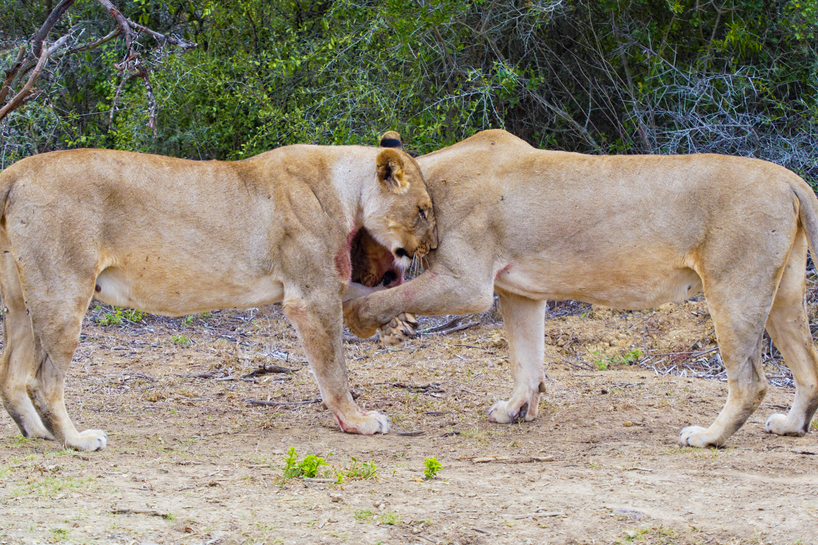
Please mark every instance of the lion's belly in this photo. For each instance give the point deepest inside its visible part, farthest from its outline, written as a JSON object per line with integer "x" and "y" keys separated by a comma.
{"x": 635, "y": 286}
{"x": 179, "y": 296}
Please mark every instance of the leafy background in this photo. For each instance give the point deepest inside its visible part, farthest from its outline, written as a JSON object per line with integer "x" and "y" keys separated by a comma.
{"x": 597, "y": 76}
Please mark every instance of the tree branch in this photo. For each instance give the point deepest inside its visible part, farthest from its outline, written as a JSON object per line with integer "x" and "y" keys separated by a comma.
{"x": 50, "y": 21}
{"x": 27, "y": 92}
{"x": 126, "y": 32}
{"x": 36, "y": 58}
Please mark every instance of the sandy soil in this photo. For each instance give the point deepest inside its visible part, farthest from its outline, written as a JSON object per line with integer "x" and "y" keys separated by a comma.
{"x": 191, "y": 461}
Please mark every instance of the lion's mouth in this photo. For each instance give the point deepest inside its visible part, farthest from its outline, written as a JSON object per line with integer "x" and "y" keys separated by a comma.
{"x": 373, "y": 264}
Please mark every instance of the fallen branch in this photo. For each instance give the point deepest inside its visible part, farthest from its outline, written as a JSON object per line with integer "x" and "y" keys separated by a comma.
{"x": 537, "y": 515}
{"x": 129, "y": 511}
{"x": 284, "y": 403}
{"x": 691, "y": 354}
{"x": 454, "y": 321}
{"x": 265, "y": 370}
{"x": 449, "y": 327}
{"x": 580, "y": 365}
{"x": 514, "y": 460}
{"x": 429, "y": 389}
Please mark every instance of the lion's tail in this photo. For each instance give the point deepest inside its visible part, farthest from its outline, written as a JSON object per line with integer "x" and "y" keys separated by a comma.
{"x": 808, "y": 212}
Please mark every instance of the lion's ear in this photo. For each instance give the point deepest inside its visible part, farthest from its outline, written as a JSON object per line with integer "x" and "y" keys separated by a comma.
{"x": 390, "y": 172}
{"x": 391, "y": 139}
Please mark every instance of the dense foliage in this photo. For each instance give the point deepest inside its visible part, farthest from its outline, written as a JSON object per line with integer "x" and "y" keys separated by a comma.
{"x": 600, "y": 76}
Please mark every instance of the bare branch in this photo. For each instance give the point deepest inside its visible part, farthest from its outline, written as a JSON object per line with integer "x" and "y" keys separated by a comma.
{"x": 11, "y": 73}
{"x": 151, "y": 100}
{"x": 51, "y": 20}
{"x": 36, "y": 58}
{"x": 96, "y": 43}
{"x": 28, "y": 92}
{"x": 126, "y": 32}
{"x": 179, "y": 42}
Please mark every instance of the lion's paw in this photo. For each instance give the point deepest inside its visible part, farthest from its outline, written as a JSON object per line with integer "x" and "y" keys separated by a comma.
{"x": 89, "y": 440}
{"x": 368, "y": 423}
{"x": 777, "y": 424}
{"x": 399, "y": 329}
{"x": 695, "y": 436}
{"x": 501, "y": 413}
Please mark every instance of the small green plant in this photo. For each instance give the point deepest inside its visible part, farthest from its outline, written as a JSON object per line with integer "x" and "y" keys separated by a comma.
{"x": 390, "y": 519}
{"x": 133, "y": 315}
{"x": 109, "y": 318}
{"x": 308, "y": 467}
{"x": 600, "y": 362}
{"x": 363, "y": 471}
{"x": 119, "y": 315}
{"x": 362, "y": 515}
{"x": 628, "y": 359}
{"x": 181, "y": 340}
{"x": 432, "y": 467}
{"x": 59, "y": 534}
{"x": 187, "y": 320}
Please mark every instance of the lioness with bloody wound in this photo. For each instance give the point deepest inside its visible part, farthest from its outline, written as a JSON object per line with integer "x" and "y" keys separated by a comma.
{"x": 628, "y": 232}
{"x": 173, "y": 237}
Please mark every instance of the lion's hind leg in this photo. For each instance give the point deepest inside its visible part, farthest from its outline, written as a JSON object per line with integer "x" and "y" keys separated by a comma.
{"x": 17, "y": 365}
{"x": 788, "y": 326}
{"x": 739, "y": 295}
{"x": 524, "y": 320}
{"x": 56, "y": 294}
{"x": 56, "y": 326}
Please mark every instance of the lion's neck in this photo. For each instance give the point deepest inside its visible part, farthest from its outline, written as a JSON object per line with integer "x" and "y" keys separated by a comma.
{"x": 351, "y": 176}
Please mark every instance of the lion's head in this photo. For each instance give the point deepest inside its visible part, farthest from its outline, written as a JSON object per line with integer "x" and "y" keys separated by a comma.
{"x": 400, "y": 217}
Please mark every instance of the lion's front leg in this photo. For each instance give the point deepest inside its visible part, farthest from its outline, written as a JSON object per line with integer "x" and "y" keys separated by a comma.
{"x": 524, "y": 321}
{"x": 317, "y": 319}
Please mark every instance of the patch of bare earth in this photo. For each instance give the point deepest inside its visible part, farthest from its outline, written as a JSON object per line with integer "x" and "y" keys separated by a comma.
{"x": 190, "y": 460}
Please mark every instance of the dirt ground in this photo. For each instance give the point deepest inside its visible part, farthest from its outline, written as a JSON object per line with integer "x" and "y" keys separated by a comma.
{"x": 191, "y": 461}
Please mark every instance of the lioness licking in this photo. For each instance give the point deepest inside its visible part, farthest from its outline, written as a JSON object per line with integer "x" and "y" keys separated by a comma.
{"x": 173, "y": 237}
{"x": 628, "y": 232}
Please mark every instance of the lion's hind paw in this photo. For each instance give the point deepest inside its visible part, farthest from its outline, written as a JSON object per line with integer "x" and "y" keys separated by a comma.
{"x": 777, "y": 424}
{"x": 696, "y": 436}
{"x": 499, "y": 413}
{"x": 368, "y": 423}
{"x": 88, "y": 440}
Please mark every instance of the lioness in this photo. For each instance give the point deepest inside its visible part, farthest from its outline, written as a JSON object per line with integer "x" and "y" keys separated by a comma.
{"x": 629, "y": 232}
{"x": 173, "y": 237}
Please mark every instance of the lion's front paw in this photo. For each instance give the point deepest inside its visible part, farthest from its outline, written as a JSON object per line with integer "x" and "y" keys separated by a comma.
{"x": 777, "y": 424}
{"x": 88, "y": 440}
{"x": 696, "y": 436}
{"x": 366, "y": 423}
{"x": 353, "y": 321}
{"x": 503, "y": 413}
{"x": 399, "y": 329}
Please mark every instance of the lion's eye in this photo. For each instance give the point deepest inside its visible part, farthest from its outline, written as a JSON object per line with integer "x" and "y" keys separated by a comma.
{"x": 423, "y": 213}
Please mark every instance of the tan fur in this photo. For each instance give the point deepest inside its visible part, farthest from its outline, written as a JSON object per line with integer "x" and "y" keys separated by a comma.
{"x": 174, "y": 237}
{"x": 628, "y": 232}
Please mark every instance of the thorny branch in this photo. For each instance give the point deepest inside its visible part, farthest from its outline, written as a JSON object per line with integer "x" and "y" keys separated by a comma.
{"x": 31, "y": 61}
